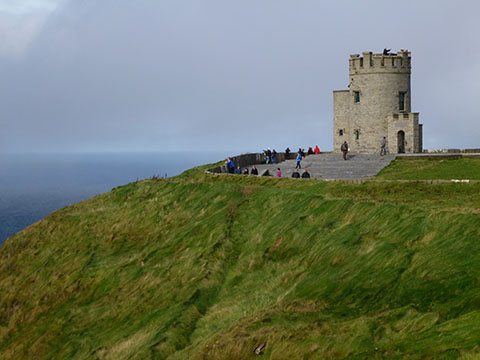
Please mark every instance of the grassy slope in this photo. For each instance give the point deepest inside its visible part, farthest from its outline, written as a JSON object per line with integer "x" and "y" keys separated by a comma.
{"x": 446, "y": 169}
{"x": 211, "y": 266}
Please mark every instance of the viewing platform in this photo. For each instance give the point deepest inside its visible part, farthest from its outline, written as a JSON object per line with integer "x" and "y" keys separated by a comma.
{"x": 331, "y": 166}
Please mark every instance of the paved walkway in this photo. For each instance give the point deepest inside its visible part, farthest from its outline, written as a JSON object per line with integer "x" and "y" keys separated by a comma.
{"x": 332, "y": 166}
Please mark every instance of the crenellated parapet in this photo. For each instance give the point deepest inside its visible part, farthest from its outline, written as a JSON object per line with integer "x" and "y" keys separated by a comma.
{"x": 374, "y": 63}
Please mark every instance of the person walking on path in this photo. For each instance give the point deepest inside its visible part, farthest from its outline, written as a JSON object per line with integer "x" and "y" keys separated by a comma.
{"x": 344, "y": 149}
{"x": 383, "y": 146}
{"x": 299, "y": 160}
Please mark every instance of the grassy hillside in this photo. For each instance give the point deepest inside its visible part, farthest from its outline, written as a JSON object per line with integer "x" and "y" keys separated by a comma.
{"x": 209, "y": 267}
{"x": 444, "y": 169}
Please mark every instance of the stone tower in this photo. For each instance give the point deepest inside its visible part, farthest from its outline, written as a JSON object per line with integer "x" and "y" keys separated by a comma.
{"x": 376, "y": 105}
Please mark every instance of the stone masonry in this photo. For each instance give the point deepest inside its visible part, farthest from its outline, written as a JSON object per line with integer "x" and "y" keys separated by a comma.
{"x": 377, "y": 104}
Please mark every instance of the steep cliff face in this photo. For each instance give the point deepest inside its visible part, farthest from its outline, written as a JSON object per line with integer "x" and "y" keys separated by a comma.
{"x": 204, "y": 266}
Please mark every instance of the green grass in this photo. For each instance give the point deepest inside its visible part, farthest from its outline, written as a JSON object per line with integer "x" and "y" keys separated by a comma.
{"x": 210, "y": 266}
{"x": 432, "y": 169}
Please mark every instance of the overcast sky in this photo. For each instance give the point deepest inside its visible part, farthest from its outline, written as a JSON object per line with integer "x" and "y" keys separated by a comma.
{"x": 239, "y": 75}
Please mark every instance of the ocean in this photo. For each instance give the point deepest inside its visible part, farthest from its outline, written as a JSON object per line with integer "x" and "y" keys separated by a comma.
{"x": 34, "y": 185}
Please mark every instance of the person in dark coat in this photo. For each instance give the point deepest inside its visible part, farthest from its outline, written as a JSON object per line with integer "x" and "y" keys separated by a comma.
{"x": 295, "y": 174}
{"x": 287, "y": 153}
{"x": 254, "y": 170}
{"x": 268, "y": 154}
{"x": 230, "y": 165}
{"x": 306, "y": 175}
{"x": 344, "y": 149}
{"x": 274, "y": 157}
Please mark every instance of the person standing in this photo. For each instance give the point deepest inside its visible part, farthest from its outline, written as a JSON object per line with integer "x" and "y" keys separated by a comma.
{"x": 279, "y": 172}
{"x": 230, "y": 165}
{"x": 344, "y": 149}
{"x": 274, "y": 157}
{"x": 383, "y": 146}
{"x": 299, "y": 160}
{"x": 287, "y": 153}
{"x": 268, "y": 154}
{"x": 316, "y": 150}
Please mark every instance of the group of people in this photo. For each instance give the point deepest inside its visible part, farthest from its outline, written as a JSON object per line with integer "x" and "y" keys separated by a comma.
{"x": 295, "y": 174}
{"x": 232, "y": 168}
{"x": 305, "y": 175}
{"x": 270, "y": 156}
{"x": 236, "y": 169}
{"x": 310, "y": 151}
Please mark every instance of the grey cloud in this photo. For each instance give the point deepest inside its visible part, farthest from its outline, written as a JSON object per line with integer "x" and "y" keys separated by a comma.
{"x": 239, "y": 75}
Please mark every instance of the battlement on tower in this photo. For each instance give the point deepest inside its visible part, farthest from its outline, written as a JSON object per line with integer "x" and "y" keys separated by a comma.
{"x": 370, "y": 62}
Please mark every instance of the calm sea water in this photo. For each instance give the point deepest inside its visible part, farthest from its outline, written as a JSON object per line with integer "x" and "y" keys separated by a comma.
{"x": 32, "y": 186}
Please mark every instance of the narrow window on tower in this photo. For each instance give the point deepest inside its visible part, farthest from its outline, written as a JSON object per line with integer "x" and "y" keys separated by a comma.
{"x": 356, "y": 96}
{"x": 357, "y": 134}
{"x": 401, "y": 101}
{"x": 340, "y": 132}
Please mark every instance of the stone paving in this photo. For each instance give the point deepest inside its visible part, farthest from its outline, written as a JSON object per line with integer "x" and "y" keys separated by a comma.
{"x": 331, "y": 166}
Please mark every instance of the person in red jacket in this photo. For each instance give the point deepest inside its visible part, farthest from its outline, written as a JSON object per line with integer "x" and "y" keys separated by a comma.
{"x": 316, "y": 150}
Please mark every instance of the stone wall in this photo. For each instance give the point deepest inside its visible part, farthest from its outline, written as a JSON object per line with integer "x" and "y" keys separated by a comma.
{"x": 247, "y": 160}
{"x": 408, "y": 123}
